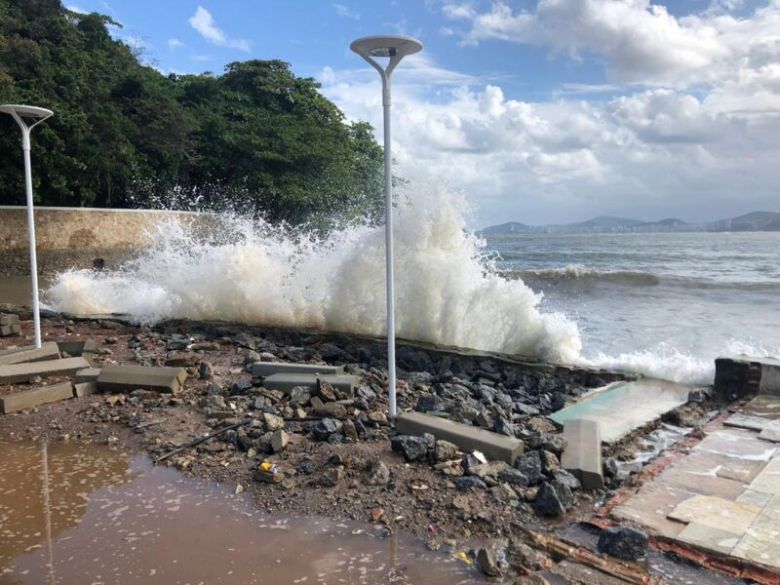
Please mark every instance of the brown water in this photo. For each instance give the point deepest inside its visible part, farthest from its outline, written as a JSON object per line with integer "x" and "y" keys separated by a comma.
{"x": 76, "y": 515}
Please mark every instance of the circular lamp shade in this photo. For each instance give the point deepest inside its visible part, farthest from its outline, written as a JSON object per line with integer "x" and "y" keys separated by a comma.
{"x": 386, "y": 46}
{"x": 26, "y": 111}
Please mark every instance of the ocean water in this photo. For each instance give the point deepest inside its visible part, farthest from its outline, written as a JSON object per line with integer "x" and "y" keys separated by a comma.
{"x": 651, "y": 304}
{"x": 666, "y": 304}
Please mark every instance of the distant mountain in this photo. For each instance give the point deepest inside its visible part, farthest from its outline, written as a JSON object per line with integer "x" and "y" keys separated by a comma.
{"x": 754, "y": 221}
{"x": 607, "y": 222}
{"x": 510, "y": 227}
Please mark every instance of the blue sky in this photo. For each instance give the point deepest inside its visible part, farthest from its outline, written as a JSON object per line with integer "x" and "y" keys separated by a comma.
{"x": 538, "y": 111}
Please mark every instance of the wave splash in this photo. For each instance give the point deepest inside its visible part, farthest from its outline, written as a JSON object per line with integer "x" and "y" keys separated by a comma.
{"x": 447, "y": 289}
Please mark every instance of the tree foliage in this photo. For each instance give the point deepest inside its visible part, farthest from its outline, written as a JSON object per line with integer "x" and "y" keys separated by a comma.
{"x": 124, "y": 135}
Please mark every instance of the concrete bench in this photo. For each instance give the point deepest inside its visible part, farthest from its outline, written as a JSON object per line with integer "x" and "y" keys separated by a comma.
{"x": 27, "y": 399}
{"x": 286, "y": 382}
{"x": 29, "y": 353}
{"x": 126, "y": 378}
{"x": 263, "y": 369}
{"x": 582, "y": 455}
{"x": 467, "y": 438}
{"x": 13, "y": 374}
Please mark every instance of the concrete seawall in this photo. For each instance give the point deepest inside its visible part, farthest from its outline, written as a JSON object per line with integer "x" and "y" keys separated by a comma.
{"x": 75, "y": 236}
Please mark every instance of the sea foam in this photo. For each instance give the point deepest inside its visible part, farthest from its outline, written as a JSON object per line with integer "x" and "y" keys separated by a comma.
{"x": 447, "y": 290}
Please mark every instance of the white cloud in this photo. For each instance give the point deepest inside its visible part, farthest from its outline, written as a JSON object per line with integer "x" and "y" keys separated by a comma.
{"x": 175, "y": 44}
{"x": 346, "y": 11}
{"x": 203, "y": 22}
{"x": 76, "y": 9}
{"x": 646, "y": 151}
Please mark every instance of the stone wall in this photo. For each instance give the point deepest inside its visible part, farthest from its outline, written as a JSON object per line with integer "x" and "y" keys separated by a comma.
{"x": 75, "y": 236}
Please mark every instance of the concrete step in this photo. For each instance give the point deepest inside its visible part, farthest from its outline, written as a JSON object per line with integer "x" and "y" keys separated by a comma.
{"x": 29, "y": 353}
{"x": 13, "y": 374}
{"x": 582, "y": 455}
{"x": 27, "y": 399}
{"x": 467, "y": 438}
{"x": 127, "y": 377}
{"x": 263, "y": 369}
{"x": 286, "y": 382}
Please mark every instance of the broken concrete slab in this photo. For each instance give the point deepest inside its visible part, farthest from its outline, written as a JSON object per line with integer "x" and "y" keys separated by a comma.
{"x": 650, "y": 507}
{"x": 768, "y": 481}
{"x": 739, "y": 376}
{"x": 13, "y": 374}
{"x": 750, "y": 422}
{"x": 760, "y": 544}
{"x": 77, "y": 348}
{"x": 9, "y": 319}
{"x": 127, "y": 377}
{"x": 9, "y": 330}
{"x": 29, "y": 353}
{"x": 467, "y": 438}
{"x": 85, "y": 389}
{"x": 582, "y": 455}
{"x": 27, "y": 399}
{"x": 86, "y": 375}
{"x": 763, "y": 405}
{"x": 625, "y": 406}
{"x": 286, "y": 382}
{"x": 263, "y": 369}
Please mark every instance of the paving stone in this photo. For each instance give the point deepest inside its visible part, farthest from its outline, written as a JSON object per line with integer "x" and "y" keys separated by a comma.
{"x": 27, "y": 399}
{"x": 761, "y": 543}
{"x": 582, "y": 455}
{"x": 750, "y": 422}
{"x": 85, "y": 389}
{"x": 126, "y": 378}
{"x": 771, "y": 434}
{"x": 9, "y": 330}
{"x": 651, "y": 506}
{"x": 709, "y": 538}
{"x": 286, "y": 382}
{"x": 759, "y": 499}
{"x": 768, "y": 480}
{"x": 269, "y": 368}
{"x": 727, "y": 515}
{"x": 708, "y": 464}
{"x": 766, "y": 406}
{"x": 13, "y": 374}
{"x": 701, "y": 484}
{"x": 29, "y": 353}
{"x": 467, "y": 438}
{"x": 738, "y": 443}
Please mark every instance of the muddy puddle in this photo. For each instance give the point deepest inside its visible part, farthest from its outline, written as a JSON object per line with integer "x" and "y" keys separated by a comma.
{"x": 85, "y": 515}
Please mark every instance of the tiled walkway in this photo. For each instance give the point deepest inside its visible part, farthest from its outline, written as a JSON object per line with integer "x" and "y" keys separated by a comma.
{"x": 724, "y": 496}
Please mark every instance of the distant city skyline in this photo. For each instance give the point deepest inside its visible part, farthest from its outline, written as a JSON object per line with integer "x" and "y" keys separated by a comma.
{"x": 543, "y": 112}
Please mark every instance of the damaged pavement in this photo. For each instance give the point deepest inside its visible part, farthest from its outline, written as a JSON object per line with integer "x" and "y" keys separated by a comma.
{"x": 532, "y": 473}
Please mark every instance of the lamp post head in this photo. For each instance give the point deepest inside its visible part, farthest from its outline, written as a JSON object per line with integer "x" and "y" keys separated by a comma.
{"x": 393, "y": 48}
{"x": 20, "y": 112}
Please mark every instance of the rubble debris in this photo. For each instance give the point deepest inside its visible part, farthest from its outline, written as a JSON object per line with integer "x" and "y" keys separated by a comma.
{"x": 487, "y": 563}
{"x": 9, "y": 325}
{"x": 412, "y": 447}
{"x": 626, "y": 543}
{"x": 264, "y": 369}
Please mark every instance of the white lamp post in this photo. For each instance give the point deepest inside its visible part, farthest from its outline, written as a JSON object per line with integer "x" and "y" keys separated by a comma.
{"x": 35, "y": 116}
{"x": 394, "y": 49}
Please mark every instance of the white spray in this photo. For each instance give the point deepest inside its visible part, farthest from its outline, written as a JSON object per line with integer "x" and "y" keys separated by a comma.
{"x": 446, "y": 289}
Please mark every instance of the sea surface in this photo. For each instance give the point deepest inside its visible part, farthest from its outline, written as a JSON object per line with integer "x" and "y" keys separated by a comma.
{"x": 667, "y": 303}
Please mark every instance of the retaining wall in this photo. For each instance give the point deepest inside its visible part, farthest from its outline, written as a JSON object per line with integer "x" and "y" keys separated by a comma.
{"x": 75, "y": 236}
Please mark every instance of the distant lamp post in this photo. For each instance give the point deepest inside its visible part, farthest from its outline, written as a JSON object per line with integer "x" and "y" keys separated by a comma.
{"x": 28, "y": 117}
{"x": 394, "y": 49}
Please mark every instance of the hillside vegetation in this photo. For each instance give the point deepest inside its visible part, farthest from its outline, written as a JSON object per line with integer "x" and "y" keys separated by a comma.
{"x": 124, "y": 135}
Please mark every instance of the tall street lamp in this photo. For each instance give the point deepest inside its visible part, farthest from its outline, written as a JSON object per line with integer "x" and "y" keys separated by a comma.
{"x": 394, "y": 49}
{"x": 27, "y": 117}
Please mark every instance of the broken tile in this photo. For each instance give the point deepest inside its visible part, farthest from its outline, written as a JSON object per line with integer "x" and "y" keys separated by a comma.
{"x": 769, "y": 479}
{"x": 651, "y": 506}
{"x": 738, "y": 443}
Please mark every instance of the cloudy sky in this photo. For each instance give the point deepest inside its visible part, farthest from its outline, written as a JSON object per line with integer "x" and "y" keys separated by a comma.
{"x": 540, "y": 112}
